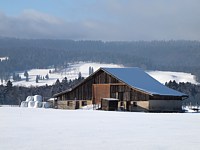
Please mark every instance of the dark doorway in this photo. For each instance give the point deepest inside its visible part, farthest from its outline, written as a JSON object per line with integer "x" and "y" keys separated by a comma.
{"x": 120, "y": 96}
{"x": 77, "y": 105}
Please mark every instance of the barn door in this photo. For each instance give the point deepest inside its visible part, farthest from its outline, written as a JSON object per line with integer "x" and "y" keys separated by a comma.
{"x": 100, "y": 91}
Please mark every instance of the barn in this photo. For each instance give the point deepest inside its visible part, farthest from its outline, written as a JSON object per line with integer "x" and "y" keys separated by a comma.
{"x": 134, "y": 89}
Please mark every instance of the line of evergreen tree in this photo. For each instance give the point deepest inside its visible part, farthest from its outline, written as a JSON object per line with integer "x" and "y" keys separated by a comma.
{"x": 24, "y": 54}
{"x": 192, "y": 90}
{"x": 14, "y": 95}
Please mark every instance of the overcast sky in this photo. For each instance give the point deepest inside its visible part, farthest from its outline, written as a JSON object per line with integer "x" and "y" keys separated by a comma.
{"x": 101, "y": 19}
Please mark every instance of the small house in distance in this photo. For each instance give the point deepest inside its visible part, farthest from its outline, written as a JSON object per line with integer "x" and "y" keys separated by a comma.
{"x": 134, "y": 89}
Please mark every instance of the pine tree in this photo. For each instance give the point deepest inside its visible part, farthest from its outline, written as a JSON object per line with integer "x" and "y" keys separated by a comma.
{"x": 18, "y": 77}
{"x": 9, "y": 84}
{"x": 65, "y": 81}
{"x": 92, "y": 70}
{"x": 47, "y": 76}
{"x": 37, "y": 79}
{"x": 57, "y": 82}
{"x": 79, "y": 75}
{"x": 89, "y": 70}
{"x": 26, "y": 75}
{"x": 14, "y": 76}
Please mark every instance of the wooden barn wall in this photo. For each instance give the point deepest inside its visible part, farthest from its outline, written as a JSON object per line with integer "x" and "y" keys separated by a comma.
{"x": 84, "y": 90}
{"x": 122, "y": 92}
{"x": 125, "y": 93}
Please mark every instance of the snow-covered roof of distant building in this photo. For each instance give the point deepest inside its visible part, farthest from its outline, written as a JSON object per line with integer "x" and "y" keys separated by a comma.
{"x": 137, "y": 78}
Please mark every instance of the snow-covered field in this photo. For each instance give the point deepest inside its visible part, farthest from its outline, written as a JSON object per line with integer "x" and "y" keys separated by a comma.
{"x": 50, "y": 129}
{"x": 71, "y": 72}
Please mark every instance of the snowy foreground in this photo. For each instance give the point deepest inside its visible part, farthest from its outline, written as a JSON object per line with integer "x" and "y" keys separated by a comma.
{"x": 50, "y": 129}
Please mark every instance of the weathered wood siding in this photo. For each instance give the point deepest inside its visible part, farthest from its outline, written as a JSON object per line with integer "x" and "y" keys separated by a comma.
{"x": 126, "y": 93}
{"x": 84, "y": 90}
{"x": 117, "y": 90}
{"x": 165, "y": 105}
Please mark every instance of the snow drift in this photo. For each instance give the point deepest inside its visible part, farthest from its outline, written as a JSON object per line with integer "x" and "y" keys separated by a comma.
{"x": 53, "y": 129}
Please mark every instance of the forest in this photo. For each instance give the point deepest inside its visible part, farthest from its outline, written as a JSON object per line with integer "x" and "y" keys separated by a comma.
{"x": 24, "y": 54}
{"x": 192, "y": 90}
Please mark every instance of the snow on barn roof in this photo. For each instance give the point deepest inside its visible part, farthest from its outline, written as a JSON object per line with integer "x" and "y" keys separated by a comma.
{"x": 137, "y": 78}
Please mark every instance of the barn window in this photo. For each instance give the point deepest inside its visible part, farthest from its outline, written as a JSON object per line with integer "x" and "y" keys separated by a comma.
{"x": 135, "y": 104}
{"x": 122, "y": 107}
{"x": 121, "y": 104}
{"x": 84, "y": 103}
{"x": 120, "y": 95}
{"x": 68, "y": 103}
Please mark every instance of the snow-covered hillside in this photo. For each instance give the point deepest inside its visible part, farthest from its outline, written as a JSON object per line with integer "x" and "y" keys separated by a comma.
{"x": 166, "y": 76}
{"x": 71, "y": 72}
{"x": 51, "y": 129}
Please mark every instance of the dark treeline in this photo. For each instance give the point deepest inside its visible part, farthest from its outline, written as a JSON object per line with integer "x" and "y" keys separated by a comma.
{"x": 24, "y": 54}
{"x": 192, "y": 90}
{"x": 14, "y": 95}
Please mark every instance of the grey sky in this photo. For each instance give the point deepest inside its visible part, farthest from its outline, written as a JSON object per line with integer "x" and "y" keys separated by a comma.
{"x": 103, "y": 20}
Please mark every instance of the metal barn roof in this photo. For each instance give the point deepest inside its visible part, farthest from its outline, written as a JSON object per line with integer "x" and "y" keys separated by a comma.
{"x": 140, "y": 80}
